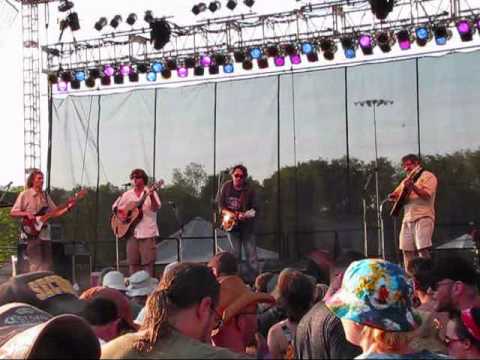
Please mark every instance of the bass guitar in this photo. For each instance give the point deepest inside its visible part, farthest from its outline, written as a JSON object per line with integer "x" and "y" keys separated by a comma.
{"x": 125, "y": 219}
{"x": 32, "y": 227}
{"x": 402, "y": 198}
{"x": 231, "y": 218}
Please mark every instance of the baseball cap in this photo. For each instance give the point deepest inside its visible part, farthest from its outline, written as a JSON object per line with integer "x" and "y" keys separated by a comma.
{"x": 44, "y": 290}
{"x": 27, "y": 333}
{"x": 376, "y": 293}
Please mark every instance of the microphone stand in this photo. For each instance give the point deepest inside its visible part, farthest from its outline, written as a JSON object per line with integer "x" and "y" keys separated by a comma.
{"x": 215, "y": 207}
{"x": 364, "y": 217}
{"x": 180, "y": 231}
{"x": 382, "y": 229}
{"x": 5, "y": 190}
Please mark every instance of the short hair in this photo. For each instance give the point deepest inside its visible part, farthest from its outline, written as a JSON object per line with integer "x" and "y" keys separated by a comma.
{"x": 184, "y": 286}
{"x": 346, "y": 257}
{"x": 141, "y": 173}
{"x": 421, "y": 270}
{"x": 100, "y": 311}
{"x": 31, "y": 177}
{"x": 462, "y": 330}
{"x": 410, "y": 157}
{"x": 262, "y": 281}
{"x": 225, "y": 263}
{"x": 454, "y": 268}
{"x": 241, "y": 167}
{"x": 296, "y": 294}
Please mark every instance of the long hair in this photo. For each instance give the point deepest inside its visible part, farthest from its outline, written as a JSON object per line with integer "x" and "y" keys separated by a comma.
{"x": 388, "y": 341}
{"x": 31, "y": 177}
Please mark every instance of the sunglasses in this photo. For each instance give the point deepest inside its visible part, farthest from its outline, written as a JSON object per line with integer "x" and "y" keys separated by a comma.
{"x": 238, "y": 176}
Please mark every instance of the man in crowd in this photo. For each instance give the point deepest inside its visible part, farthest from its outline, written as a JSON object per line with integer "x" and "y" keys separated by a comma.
{"x": 179, "y": 319}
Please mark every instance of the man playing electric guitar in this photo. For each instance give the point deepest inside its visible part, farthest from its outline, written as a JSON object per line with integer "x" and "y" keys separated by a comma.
{"x": 419, "y": 189}
{"x": 237, "y": 205}
{"x": 141, "y": 241}
{"x": 28, "y": 204}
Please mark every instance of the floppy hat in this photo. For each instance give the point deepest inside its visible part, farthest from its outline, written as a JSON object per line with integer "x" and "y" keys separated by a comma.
{"x": 27, "y": 332}
{"x": 141, "y": 284}
{"x": 376, "y": 293}
{"x": 114, "y": 280}
{"x": 44, "y": 290}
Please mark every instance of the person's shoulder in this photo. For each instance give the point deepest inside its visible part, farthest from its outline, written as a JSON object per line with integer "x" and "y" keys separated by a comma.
{"x": 121, "y": 347}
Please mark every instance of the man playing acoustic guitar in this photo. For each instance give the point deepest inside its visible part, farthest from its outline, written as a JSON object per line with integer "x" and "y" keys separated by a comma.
{"x": 141, "y": 239}
{"x": 237, "y": 205}
{"x": 30, "y": 203}
{"x": 418, "y": 189}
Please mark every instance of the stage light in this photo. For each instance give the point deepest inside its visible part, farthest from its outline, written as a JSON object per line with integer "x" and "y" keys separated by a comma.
{"x": 290, "y": 49}
{"x": 117, "y": 19}
{"x": 190, "y": 62}
{"x": 205, "y": 60}
{"x": 157, "y": 67}
{"x": 90, "y": 82}
{"x": 279, "y": 60}
{"x": 404, "y": 39}
{"x": 94, "y": 73}
{"x": 366, "y": 44}
{"x": 73, "y": 22}
{"x": 349, "y": 47}
{"x": 213, "y": 69}
{"x": 125, "y": 69}
{"x": 249, "y": 3}
{"x": 66, "y": 76}
{"x": 239, "y": 56}
{"x": 131, "y": 19}
{"x": 142, "y": 68}
{"x": 442, "y": 34}
{"x": 262, "y": 63}
{"x": 199, "y": 70}
{"x": 312, "y": 57}
{"x": 295, "y": 59}
{"x": 200, "y": 7}
{"x": 166, "y": 73}
{"x": 272, "y": 50}
{"x": 160, "y": 33}
{"x": 148, "y": 17}
{"x": 220, "y": 59}
{"x": 118, "y": 78}
{"x": 214, "y": 6}
{"x": 385, "y": 41}
{"x": 52, "y": 78}
{"x": 62, "y": 85}
{"x": 75, "y": 84}
{"x": 80, "y": 75}
{"x": 422, "y": 35}
{"x": 101, "y": 23}
{"x": 381, "y": 8}
{"x": 182, "y": 72}
{"x": 65, "y": 6}
{"x": 329, "y": 48}
{"x": 477, "y": 22}
{"x": 133, "y": 76}
{"x": 228, "y": 68}
{"x": 108, "y": 70}
{"x": 231, "y": 4}
{"x": 465, "y": 30}
{"x": 247, "y": 64}
{"x": 105, "y": 80}
{"x": 152, "y": 76}
{"x": 255, "y": 53}
{"x": 307, "y": 48}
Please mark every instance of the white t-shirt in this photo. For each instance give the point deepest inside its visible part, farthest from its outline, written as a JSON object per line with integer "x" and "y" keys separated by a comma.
{"x": 147, "y": 227}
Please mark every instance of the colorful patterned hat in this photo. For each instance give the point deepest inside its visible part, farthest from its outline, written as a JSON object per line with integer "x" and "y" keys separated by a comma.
{"x": 376, "y": 293}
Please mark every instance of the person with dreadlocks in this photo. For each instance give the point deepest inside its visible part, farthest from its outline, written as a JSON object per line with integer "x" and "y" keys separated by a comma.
{"x": 179, "y": 319}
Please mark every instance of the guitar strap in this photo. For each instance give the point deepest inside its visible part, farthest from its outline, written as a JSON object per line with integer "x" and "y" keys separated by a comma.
{"x": 243, "y": 198}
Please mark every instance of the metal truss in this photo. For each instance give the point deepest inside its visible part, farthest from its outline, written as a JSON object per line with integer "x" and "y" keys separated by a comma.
{"x": 334, "y": 18}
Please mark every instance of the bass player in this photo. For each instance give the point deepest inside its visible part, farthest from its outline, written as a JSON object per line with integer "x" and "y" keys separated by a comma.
{"x": 237, "y": 205}
{"x": 418, "y": 189}
{"x": 29, "y": 203}
{"x": 141, "y": 240}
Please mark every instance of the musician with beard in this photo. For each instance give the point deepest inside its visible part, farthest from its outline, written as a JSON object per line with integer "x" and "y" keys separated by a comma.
{"x": 418, "y": 190}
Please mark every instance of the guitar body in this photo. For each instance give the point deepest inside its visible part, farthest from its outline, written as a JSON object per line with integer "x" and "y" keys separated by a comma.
{"x": 402, "y": 199}
{"x": 124, "y": 221}
{"x": 229, "y": 219}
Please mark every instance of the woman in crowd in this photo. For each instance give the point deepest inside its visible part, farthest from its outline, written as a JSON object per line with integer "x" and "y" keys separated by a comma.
{"x": 463, "y": 335}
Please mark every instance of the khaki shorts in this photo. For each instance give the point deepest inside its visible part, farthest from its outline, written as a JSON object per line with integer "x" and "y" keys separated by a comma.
{"x": 416, "y": 235}
{"x": 141, "y": 251}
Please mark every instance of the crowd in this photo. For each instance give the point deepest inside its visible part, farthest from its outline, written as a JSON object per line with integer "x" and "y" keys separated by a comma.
{"x": 371, "y": 309}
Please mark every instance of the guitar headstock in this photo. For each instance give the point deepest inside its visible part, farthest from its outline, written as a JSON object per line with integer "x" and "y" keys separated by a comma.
{"x": 157, "y": 185}
{"x": 79, "y": 195}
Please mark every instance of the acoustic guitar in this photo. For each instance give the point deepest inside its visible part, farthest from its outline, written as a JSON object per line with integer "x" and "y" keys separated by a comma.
{"x": 230, "y": 218}
{"x": 124, "y": 220}
{"x": 404, "y": 194}
{"x": 32, "y": 227}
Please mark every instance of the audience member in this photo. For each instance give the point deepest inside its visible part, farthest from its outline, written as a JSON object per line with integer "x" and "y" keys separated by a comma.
{"x": 223, "y": 264}
{"x": 103, "y": 317}
{"x": 114, "y": 280}
{"x": 179, "y": 319}
{"x": 375, "y": 305}
{"x": 30, "y": 333}
{"x": 296, "y": 292}
{"x": 320, "y": 333}
{"x": 262, "y": 281}
{"x": 463, "y": 335}
{"x": 140, "y": 285}
{"x": 102, "y": 274}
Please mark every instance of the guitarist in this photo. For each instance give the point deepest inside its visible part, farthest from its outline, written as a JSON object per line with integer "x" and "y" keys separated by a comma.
{"x": 238, "y": 197}
{"x": 29, "y": 203}
{"x": 141, "y": 242}
{"x": 419, "y": 210}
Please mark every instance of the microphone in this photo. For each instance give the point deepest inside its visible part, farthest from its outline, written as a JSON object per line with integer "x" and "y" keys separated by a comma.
{"x": 6, "y": 187}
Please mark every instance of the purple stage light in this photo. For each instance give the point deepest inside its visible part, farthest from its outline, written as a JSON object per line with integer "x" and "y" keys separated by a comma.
{"x": 182, "y": 72}
{"x": 404, "y": 44}
{"x": 62, "y": 85}
{"x": 205, "y": 61}
{"x": 365, "y": 41}
{"x": 125, "y": 70}
{"x": 463, "y": 27}
{"x": 295, "y": 59}
{"x": 279, "y": 60}
{"x": 108, "y": 70}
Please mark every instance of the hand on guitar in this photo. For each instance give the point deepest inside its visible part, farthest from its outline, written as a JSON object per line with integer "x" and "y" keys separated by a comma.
{"x": 392, "y": 197}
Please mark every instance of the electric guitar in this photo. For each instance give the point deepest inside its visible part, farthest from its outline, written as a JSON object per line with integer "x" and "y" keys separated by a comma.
{"x": 125, "y": 219}
{"x": 32, "y": 227}
{"x": 402, "y": 198}
{"x": 230, "y": 218}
